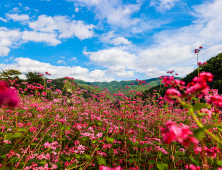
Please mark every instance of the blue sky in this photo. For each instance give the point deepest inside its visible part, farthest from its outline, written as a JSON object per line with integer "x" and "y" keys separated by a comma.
{"x": 105, "y": 40}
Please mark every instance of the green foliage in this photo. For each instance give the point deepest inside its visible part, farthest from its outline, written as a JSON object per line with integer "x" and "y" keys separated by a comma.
{"x": 33, "y": 77}
{"x": 198, "y": 133}
{"x": 214, "y": 66}
{"x": 10, "y": 74}
{"x": 162, "y": 166}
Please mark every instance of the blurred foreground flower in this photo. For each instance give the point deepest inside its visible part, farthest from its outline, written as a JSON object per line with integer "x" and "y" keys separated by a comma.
{"x": 8, "y": 95}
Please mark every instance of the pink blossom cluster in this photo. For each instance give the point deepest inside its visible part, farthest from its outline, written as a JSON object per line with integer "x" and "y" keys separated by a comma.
{"x": 210, "y": 152}
{"x": 173, "y": 132}
{"x": 202, "y": 64}
{"x": 192, "y": 167}
{"x": 196, "y": 51}
{"x": 70, "y": 78}
{"x": 108, "y": 168}
{"x": 52, "y": 145}
{"x": 171, "y": 72}
{"x": 47, "y": 73}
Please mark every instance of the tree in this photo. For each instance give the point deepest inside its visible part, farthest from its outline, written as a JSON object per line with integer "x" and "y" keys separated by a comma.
{"x": 9, "y": 74}
{"x": 33, "y": 77}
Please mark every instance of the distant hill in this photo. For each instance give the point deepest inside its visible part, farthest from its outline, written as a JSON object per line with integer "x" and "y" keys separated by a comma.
{"x": 113, "y": 86}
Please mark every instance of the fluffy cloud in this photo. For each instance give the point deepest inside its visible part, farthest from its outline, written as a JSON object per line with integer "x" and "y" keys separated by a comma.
{"x": 26, "y": 8}
{"x": 113, "y": 11}
{"x": 111, "y": 58}
{"x": 26, "y": 64}
{"x": 8, "y": 38}
{"x": 121, "y": 40}
{"x": 116, "y": 13}
{"x": 46, "y": 29}
{"x": 172, "y": 49}
{"x": 111, "y": 38}
{"x": 17, "y": 17}
{"x": 163, "y": 5}
{"x": 64, "y": 25}
{"x": 120, "y": 72}
{"x": 61, "y": 61}
{"x": 115, "y": 60}
{"x": 49, "y": 38}
{"x": 73, "y": 59}
{"x": 2, "y": 19}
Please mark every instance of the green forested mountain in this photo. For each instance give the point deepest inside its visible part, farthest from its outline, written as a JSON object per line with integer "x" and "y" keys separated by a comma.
{"x": 113, "y": 86}
{"x": 214, "y": 66}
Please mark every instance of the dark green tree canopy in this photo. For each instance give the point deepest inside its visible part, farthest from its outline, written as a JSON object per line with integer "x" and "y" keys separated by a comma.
{"x": 214, "y": 66}
{"x": 10, "y": 74}
{"x": 33, "y": 77}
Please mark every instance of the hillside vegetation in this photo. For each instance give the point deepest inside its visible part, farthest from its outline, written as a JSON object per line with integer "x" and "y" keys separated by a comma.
{"x": 214, "y": 65}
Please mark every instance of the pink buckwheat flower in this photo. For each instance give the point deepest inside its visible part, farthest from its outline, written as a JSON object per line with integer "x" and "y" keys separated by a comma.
{"x": 108, "y": 168}
{"x": 192, "y": 167}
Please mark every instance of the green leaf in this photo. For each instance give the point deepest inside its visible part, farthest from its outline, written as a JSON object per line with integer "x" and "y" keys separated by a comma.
{"x": 198, "y": 133}
{"x": 2, "y": 156}
{"x": 162, "y": 166}
{"x": 21, "y": 129}
{"x": 17, "y": 135}
{"x": 13, "y": 160}
{"x": 219, "y": 163}
{"x": 220, "y": 129}
{"x": 185, "y": 105}
{"x": 8, "y": 136}
{"x": 131, "y": 161}
{"x": 199, "y": 106}
{"x": 111, "y": 140}
{"x": 193, "y": 160}
{"x": 151, "y": 162}
{"x": 101, "y": 160}
{"x": 87, "y": 156}
{"x": 5, "y": 168}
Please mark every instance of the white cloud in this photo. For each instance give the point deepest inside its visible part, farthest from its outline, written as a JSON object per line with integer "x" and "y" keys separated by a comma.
{"x": 64, "y": 25}
{"x": 172, "y": 49}
{"x": 121, "y": 40}
{"x": 8, "y": 39}
{"x": 49, "y": 38}
{"x": 76, "y": 9}
{"x": 72, "y": 59}
{"x": 111, "y": 58}
{"x": 111, "y": 38}
{"x": 26, "y": 8}
{"x": 115, "y": 60}
{"x": 17, "y": 17}
{"x": 163, "y": 5}
{"x": 20, "y": 4}
{"x": 2, "y": 19}
{"x": 61, "y": 61}
{"x": 120, "y": 72}
{"x": 117, "y": 14}
{"x": 26, "y": 64}
{"x": 15, "y": 10}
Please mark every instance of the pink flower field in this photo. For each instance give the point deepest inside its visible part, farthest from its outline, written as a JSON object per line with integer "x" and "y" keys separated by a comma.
{"x": 42, "y": 129}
